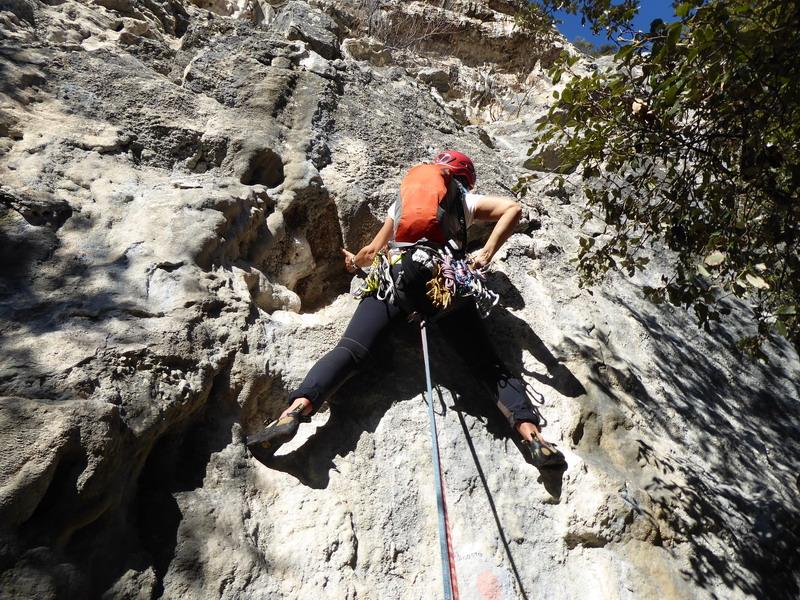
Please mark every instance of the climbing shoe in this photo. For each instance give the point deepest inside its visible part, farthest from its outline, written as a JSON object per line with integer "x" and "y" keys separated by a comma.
{"x": 544, "y": 456}
{"x": 276, "y": 434}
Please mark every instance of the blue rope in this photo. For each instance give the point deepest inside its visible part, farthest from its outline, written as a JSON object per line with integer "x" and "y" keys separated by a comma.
{"x": 437, "y": 473}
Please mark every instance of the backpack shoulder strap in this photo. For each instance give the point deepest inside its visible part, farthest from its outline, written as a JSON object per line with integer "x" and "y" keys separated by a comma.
{"x": 456, "y": 201}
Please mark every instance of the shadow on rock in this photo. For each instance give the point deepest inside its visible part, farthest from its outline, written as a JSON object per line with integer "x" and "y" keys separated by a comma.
{"x": 504, "y": 325}
{"x": 313, "y": 462}
{"x": 490, "y": 498}
{"x": 178, "y": 462}
{"x": 354, "y": 411}
{"x": 357, "y": 407}
{"x": 732, "y": 479}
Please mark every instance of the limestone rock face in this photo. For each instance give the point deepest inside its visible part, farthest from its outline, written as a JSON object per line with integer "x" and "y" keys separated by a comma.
{"x": 176, "y": 182}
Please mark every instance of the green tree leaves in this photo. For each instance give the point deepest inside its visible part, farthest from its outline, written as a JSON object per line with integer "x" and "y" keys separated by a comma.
{"x": 692, "y": 140}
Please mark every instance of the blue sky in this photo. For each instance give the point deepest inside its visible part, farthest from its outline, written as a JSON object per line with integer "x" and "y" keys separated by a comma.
{"x": 648, "y": 10}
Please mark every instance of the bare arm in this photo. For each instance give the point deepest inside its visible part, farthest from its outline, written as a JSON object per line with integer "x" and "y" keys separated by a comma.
{"x": 365, "y": 256}
{"x": 506, "y": 211}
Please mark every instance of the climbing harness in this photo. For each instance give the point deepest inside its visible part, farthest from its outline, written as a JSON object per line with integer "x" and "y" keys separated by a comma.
{"x": 445, "y": 539}
{"x": 452, "y": 278}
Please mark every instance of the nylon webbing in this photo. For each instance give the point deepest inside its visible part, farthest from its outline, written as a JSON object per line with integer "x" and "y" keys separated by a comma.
{"x": 445, "y": 543}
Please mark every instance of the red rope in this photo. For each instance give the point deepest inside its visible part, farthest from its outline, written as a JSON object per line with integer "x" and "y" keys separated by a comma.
{"x": 451, "y": 560}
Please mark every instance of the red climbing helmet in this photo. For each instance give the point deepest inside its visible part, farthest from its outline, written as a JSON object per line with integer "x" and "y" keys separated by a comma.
{"x": 460, "y": 165}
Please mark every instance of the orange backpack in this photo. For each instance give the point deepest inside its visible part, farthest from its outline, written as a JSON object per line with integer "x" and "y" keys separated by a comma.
{"x": 427, "y": 195}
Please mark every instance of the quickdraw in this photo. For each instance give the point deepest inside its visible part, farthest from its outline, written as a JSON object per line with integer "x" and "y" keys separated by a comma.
{"x": 455, "y": 277}
{"x": 438, "y": 291}
{"x": 379, "y": 279}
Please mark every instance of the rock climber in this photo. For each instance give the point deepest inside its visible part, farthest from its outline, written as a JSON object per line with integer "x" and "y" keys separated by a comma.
{"x": 418, "y": 265}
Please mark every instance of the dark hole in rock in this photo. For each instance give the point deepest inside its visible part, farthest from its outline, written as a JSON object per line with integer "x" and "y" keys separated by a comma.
{"x": 264, "y": 167}
{"x": 577, "y": 435}
{"x": 55, "y": 513}
{"x": 158, "y": 515}
{"x": 181, "y": 20}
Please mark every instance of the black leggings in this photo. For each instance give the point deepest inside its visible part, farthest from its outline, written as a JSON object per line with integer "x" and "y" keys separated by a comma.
{"x": 462, "y": 328}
